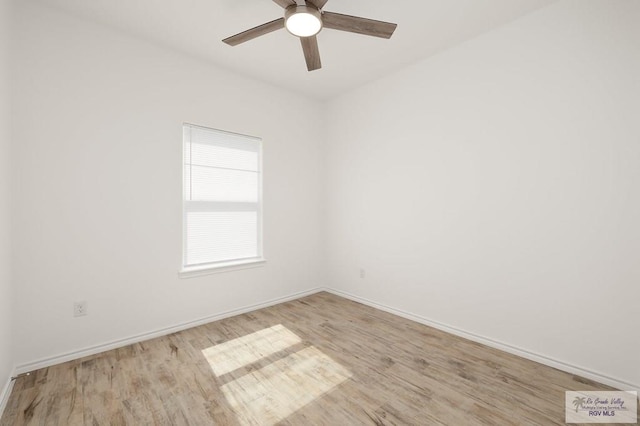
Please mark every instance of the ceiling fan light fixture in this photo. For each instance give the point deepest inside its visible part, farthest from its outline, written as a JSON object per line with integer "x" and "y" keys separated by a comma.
{"x": 303, "y": 21}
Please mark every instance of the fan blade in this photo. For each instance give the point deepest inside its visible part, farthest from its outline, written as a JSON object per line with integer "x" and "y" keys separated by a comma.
{"x": 319, "y": 4}
{"x": 311, "y": 52}
{"x": 255, "y": 32}
{"x": 355, "y": 24}
{"x": 285, "y": 3}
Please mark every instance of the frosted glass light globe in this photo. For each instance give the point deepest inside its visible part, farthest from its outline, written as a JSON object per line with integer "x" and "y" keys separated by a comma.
{"x": 303, "y": 21}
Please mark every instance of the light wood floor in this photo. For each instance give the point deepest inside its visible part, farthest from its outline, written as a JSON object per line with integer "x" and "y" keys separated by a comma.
{"x": 319, "y": 360}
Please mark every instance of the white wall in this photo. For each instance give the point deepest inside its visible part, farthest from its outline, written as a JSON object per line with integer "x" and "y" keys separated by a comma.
{"x": 98, "y": 119}
{"x": 495, "y": 187}
{"x": 6, "y": 356}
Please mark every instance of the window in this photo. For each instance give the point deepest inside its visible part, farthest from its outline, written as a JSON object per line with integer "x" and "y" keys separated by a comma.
{"x": 222, "y": 206}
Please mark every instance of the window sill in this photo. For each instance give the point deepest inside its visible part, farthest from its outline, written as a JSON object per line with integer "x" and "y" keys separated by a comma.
{"x": 221, "y": 267}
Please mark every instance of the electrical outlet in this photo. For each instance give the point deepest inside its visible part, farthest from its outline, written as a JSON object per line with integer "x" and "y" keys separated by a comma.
{"x": 362, "y": 273}
{"x": 79, "y": 309}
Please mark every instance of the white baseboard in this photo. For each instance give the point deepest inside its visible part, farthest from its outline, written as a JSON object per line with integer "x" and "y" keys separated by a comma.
{"x": 6, "y": 391}
{"x": 542, "y": 359}
{"x": 92, "y": 350}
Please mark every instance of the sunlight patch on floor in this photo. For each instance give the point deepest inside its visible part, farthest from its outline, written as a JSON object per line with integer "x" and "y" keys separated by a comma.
{"x": 245, "y": 350}
{"x": 272, "y": 393}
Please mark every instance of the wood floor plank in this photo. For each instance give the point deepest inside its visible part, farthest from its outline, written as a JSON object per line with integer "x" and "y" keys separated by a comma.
{"x": 319, "y": 360}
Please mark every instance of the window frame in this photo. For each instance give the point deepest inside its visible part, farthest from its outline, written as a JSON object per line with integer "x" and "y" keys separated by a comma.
{"x": 187, "y": 271}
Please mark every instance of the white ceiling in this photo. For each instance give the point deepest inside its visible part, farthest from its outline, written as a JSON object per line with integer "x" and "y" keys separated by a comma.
{"x": 197, "y": 27}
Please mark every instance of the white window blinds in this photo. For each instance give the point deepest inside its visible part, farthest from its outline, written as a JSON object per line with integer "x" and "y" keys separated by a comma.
{"x": 222, "y": 198}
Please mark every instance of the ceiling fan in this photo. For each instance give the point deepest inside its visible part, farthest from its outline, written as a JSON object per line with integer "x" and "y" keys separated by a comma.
{"x": 306, "y": 19}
